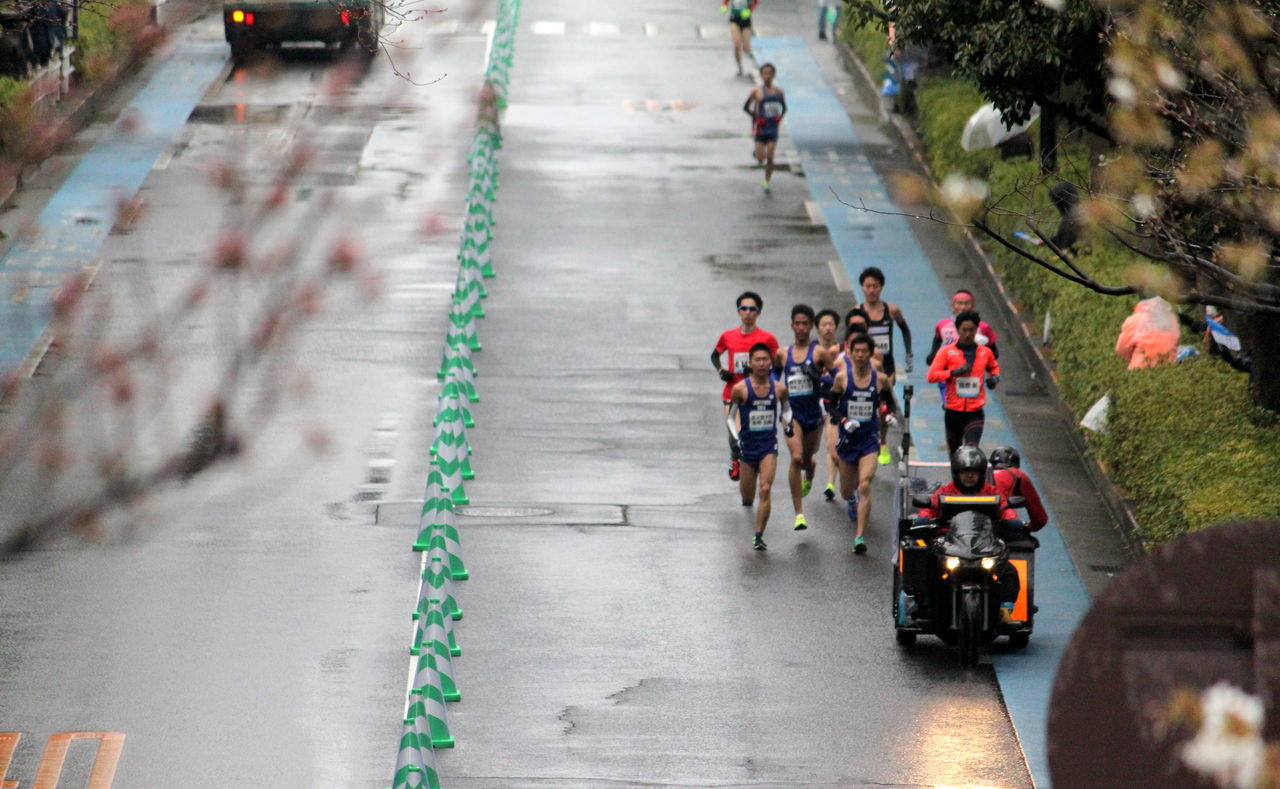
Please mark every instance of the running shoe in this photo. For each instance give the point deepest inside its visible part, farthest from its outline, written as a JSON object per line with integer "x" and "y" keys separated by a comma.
{"x": 733, "y": 471}
{"x": 800, "y": 523}
{"x": 830, "y": 492}
{"x": 806, "y": 485}
{"x": 768, "y": 189}
{"x": 852, "y": 509}
{"x": 859, "y": 545}
{"x": 757, "y": 542}
{"x": 884, "y": 455}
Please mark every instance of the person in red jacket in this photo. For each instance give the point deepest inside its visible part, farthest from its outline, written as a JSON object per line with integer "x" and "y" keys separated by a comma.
{"x": 969, "y": 478}
{"x": 963, "y": 366}
{"x": 737, "y": 343}
{"x": 1011, "y": 480}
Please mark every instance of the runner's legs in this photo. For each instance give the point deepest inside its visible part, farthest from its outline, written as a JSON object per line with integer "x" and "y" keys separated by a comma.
{"x": 747, "y": 482}
{"x": 768, "y": 468}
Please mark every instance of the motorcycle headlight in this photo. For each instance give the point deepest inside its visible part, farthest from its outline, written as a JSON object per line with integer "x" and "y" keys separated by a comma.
{"x": 952, "y": 562}
{"x": 988, "y": 563}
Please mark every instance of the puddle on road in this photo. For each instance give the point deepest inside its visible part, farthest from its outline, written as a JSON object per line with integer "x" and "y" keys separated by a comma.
{"x": 234, "y": 114}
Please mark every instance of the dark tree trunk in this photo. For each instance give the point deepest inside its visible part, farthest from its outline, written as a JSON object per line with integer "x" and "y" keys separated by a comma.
{"x": 1048, "y": 140}
{"x": 1260, "y": 336}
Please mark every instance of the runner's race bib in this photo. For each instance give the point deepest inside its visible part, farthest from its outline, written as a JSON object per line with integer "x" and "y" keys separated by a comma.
{"x": 771, "y": 109}
{"x": 799, "y": 385}
{"x": 884, "y": 342}
{"x": 760, "y": 419}
{"x": 741, "y": 363}
{"x": 968, "y": 387}
{"x": 860, "y": 409}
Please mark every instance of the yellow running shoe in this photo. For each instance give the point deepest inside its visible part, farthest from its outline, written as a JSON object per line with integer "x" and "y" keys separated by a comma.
{"x": 806, "y": 485}
{"x": 884, "y": 455}
{"x": 800, "y": 523}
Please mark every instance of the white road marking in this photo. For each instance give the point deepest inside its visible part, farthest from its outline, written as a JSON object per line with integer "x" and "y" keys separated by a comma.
{"x": 652, "y": 30}
{"x": 166, "y": 157}
{"x": 841, "y": 277}
{"x": 814, "y": 211}
{"x": 548, "y": 28}
{"x": 604, "y": 29}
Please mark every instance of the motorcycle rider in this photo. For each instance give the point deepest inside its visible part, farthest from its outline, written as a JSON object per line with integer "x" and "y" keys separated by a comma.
{"x": 969, "y": 478}
{"x": 1011, "y": 480}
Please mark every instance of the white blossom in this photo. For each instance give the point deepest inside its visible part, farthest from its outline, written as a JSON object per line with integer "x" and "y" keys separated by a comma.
{"x": 1229, "y": 747}
{"x": 1122, "y": 90}
{"x": 1144, "y": 205}
{"x": 960, "y": 189}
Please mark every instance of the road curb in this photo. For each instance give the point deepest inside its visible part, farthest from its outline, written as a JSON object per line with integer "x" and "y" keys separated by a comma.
{"x": 1044, "y": 369}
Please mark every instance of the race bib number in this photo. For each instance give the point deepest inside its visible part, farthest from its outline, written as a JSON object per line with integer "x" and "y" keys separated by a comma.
{"x": 799, "y": 385}
{"x": 771, "y": 109}
{"x": 860, "y": 410}
{"x": 760, "y": 419}
{"x": 968, "y": 387}
{"x": 884, "y": 342}
{"x": 741, "y": 363}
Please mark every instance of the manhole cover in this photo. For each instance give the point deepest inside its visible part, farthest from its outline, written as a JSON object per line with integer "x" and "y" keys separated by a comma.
{"x": 504, "y": 512}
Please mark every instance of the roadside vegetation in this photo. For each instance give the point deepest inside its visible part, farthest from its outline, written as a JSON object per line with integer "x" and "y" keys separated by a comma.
{"x": 1189, "y": 444}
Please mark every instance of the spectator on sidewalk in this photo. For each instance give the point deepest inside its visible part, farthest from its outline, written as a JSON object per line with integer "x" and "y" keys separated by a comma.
{"x": 828, "y": 17}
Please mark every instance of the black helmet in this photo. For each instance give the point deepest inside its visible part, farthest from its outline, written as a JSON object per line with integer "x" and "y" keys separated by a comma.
{"x": 1005, "y": 457}
{"x": 967, "y": 458}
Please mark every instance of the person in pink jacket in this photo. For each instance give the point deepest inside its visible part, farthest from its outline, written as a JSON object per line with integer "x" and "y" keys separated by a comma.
{"x": 1150, "y": 335}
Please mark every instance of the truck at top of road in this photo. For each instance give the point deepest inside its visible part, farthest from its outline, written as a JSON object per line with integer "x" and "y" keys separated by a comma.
{"x": 255, "y": 25}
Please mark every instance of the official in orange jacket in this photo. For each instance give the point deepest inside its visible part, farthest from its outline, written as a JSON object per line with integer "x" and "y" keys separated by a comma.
{"x": 963, "y": 366}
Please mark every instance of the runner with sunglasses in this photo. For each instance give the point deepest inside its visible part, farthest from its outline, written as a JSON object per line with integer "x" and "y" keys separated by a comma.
{"x": 737, "y": 344}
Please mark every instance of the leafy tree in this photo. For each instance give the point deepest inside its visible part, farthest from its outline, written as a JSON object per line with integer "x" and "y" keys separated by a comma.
{"x": 1019, "y": 53}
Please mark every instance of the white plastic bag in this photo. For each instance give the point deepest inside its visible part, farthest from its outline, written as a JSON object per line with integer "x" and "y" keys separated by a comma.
{"x": 1095, "y": 418}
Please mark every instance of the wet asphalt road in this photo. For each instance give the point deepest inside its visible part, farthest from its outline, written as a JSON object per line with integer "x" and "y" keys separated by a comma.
{"x": 619, "y": 631}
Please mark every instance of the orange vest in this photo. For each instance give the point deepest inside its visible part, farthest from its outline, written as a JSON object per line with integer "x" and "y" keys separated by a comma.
{"x": 949, "y": 358}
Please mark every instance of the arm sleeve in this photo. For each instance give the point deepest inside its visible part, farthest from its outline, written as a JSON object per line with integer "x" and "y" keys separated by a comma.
{"x": 938, "y": 372}
{"x": 934, "y": 348}
{"x": 731, "y": 421}
{"x": 748, "y": 106}
{"x": 1035, "y": 507}
{"x": 715, "y": 357}
{"x": 906, "y": 331}
{"x": 786, "y": 407}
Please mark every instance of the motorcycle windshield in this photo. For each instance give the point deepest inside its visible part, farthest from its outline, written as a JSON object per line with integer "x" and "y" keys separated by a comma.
{"x": 972, "y": 536}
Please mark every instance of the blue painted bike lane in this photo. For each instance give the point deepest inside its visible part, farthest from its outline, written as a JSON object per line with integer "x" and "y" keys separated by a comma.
{"x": 72, "y": 226}
{"x": 837, "y": 170}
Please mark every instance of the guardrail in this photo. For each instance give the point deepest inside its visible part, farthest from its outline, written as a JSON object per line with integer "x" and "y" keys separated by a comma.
{"x": 434, "y": 685}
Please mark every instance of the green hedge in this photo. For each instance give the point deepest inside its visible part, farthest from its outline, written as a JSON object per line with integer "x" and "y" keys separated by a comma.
{"x": 1184, "y": 441}
{"x": 868, "y": 42}
{"x": 1190, "y": 449}
{"x": 107, "y": 36}
{"x": 945, "y": 104}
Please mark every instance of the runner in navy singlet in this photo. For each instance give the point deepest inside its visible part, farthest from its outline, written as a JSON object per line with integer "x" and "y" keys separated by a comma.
{"x": 828, "y": 329}
{"x": 858, "y": 387}
{"x": 766, "y": 105}
{"x": 754, "y": 406}
{"x": 802, "y": 365}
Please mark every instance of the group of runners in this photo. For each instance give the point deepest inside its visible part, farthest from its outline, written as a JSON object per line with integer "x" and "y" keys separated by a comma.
{"x": 835, "y": 380}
